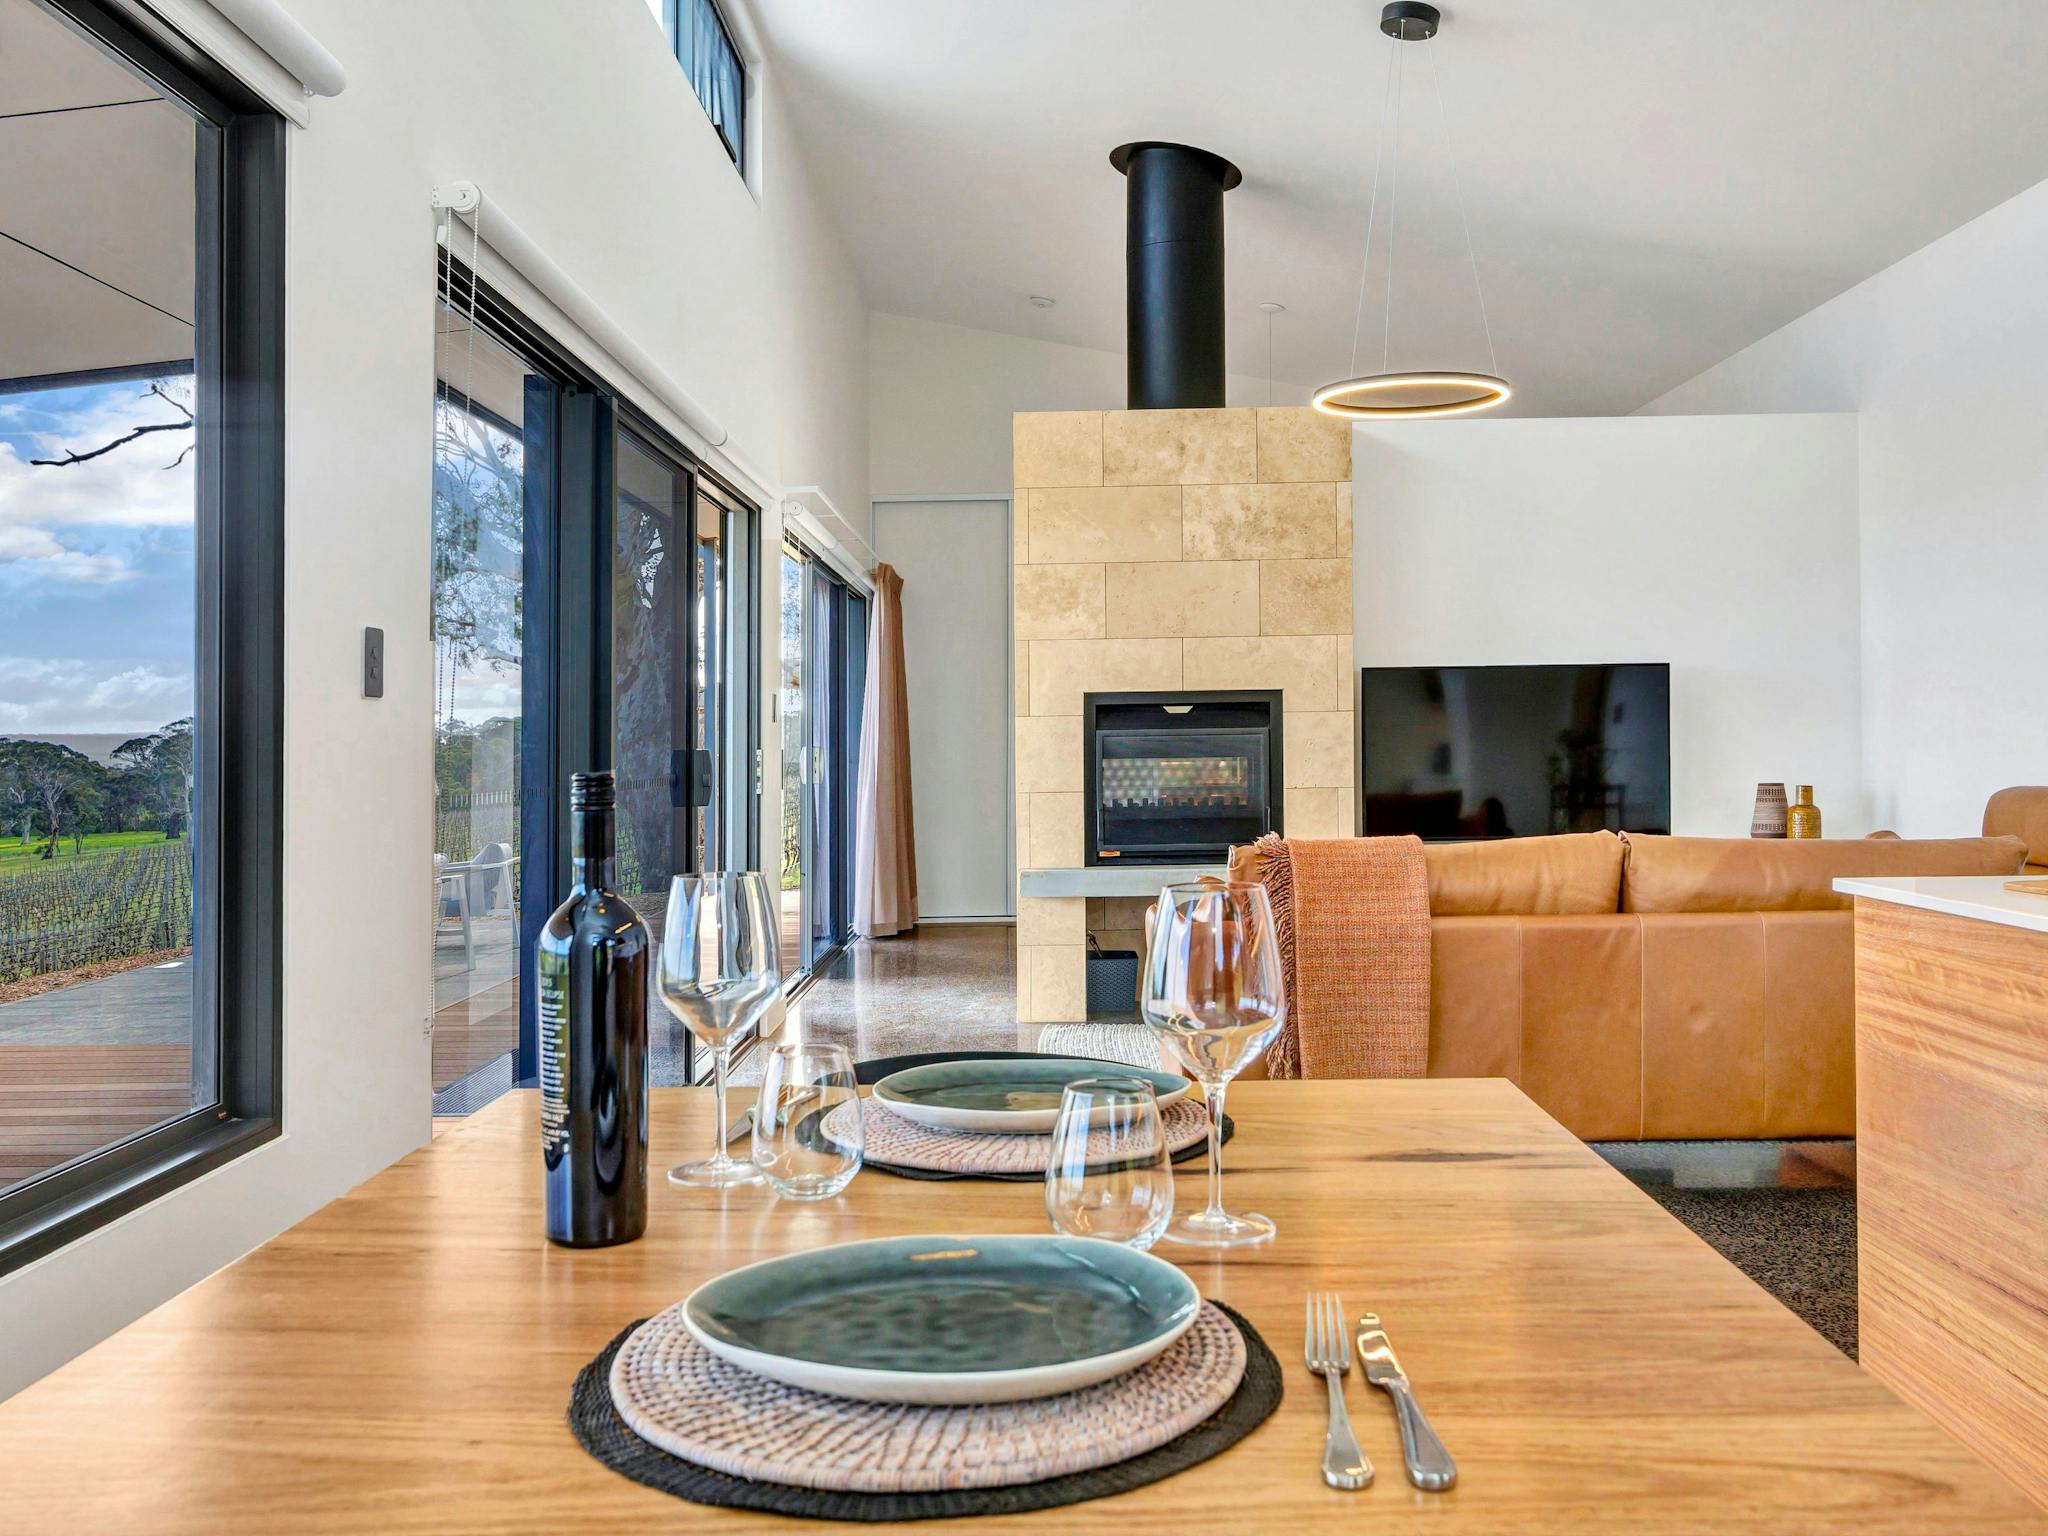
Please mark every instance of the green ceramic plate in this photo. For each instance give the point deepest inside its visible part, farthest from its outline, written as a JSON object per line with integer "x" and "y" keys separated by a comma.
{"x": 946, "y": 1319}
{"x": 1002, "y": 1095}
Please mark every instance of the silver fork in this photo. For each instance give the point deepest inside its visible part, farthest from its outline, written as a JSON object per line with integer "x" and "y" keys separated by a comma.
{"x": 1327, "y": 1345}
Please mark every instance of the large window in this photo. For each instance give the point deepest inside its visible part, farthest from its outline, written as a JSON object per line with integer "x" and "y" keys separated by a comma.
{"x": 140, "y": 545}
{"x": 703, "y": 44}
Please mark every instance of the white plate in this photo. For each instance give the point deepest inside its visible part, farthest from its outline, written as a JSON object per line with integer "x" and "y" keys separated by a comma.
{"x": 1008, "y": 1096}
{"x": 946, "y": 1319}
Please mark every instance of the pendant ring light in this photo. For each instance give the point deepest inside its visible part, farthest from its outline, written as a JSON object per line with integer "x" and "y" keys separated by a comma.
{"x": 1388, "y": 395}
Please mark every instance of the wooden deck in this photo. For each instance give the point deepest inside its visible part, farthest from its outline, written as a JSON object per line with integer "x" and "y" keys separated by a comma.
{"x": 473, "y": 1031}
{"x": 58, "y": 1102}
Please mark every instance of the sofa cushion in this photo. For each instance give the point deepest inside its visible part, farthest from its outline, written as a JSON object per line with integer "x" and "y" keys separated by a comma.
{"x": 2021, "y": 812}
{"x": 1740, "y": 874}
{"x": 1569, "y": 875}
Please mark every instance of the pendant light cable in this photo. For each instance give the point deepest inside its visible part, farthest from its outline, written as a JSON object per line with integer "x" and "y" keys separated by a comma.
{"x": 1373, "y": 208}
{"x": 1386, "y": 395}
{"x": 1458, "y": 198}
{"x": 1393, "y": 192}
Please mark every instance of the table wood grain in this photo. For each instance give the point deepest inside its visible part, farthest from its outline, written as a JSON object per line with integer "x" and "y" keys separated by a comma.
{"x": 1952, "y": 1170}
{"x": 401, "y": 1361}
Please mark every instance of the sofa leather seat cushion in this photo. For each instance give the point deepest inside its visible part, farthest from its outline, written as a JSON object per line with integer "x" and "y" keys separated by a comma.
{"x": 1739, "y": 874}
{"x": 1575, "y": 874}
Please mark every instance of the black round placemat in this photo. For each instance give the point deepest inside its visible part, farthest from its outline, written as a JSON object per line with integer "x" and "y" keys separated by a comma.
{"x": 600, "y": 1431}
{"x": 1185, "y": 1154}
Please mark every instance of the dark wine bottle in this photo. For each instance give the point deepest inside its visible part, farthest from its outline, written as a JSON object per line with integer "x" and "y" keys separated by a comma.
{"x": 591, "y": 961}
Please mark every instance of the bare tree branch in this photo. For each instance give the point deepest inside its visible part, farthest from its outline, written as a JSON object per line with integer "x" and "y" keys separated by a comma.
{"x": 182, "y": 452}
{"x": 156, "y": 388}
{"x": 71, "y": 458}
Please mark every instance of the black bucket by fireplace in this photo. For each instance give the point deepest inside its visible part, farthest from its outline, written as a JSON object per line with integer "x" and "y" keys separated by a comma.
{"x": 1178, "y": 778}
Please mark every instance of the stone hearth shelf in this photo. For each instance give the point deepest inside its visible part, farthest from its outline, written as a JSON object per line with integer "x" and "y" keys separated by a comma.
{"x": 1129, "y": 880}
{"x": 1159, "y": 550}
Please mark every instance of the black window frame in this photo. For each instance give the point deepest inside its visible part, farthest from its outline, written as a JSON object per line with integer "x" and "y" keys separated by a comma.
{"x": 735, "y": 144}
{"x": 238, "y": 879}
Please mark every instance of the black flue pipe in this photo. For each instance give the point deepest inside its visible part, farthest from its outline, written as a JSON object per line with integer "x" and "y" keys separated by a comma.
{"x": 1173, "y": 273}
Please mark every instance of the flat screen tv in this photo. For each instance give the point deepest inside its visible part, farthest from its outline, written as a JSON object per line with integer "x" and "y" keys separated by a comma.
{"x": 1456, "y": 753}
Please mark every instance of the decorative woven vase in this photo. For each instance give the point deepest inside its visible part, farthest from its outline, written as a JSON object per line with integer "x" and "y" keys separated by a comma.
{"x": 1803, "y": 819}
{"x": 1768, "y": 819}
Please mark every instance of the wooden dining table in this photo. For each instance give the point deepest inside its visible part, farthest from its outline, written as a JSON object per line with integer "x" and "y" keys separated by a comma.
{"x": 401, "y": 1361}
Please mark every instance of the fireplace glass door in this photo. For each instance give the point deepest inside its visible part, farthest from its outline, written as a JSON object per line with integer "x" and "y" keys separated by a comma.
{"x": 1180, "y": 781}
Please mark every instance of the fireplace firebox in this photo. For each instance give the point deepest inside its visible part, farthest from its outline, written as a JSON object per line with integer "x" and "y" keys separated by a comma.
{"x": 1178, "y": 778}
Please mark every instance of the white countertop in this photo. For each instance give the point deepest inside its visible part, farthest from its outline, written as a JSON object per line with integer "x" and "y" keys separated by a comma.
{"x": 1111, "y": 879}
{"x": 1983, "y": 897}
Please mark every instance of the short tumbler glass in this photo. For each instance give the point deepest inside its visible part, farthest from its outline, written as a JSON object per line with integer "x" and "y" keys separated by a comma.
{"x": 807, "y": 1130}
{"x": 1109, "y": 1174}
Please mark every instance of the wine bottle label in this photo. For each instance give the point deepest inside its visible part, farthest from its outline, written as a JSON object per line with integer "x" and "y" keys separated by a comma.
{"x": 554, "y": 1056}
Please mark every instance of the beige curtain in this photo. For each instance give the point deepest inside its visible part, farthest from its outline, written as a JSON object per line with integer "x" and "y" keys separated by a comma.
{"x": 885, "y": 843}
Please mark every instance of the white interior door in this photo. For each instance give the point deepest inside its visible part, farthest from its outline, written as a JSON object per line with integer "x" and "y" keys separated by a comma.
{"x": 954, "y": 557}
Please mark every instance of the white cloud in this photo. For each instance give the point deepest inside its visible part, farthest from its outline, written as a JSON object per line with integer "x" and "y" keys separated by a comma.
{"x": 38, "y": 552}
{"x": 61, "y": 695}
{"x": 132, "y": 487}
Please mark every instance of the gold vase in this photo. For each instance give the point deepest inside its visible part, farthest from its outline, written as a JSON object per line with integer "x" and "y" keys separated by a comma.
{"x": 1802, "y": 817}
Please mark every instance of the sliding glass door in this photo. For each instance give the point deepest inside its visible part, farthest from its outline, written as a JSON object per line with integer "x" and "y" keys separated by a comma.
{"x": 593, "y": 607}
{"x": 494, "y": 429}
{"x": 824, "y": 670}
{"x": 681, "y": 650}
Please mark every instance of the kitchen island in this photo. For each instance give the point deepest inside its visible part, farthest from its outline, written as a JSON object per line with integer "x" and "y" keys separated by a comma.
{"x": 1952, "y": 1157}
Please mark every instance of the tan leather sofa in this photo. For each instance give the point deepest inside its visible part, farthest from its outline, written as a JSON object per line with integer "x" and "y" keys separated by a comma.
{"x": 1664, "y": 987}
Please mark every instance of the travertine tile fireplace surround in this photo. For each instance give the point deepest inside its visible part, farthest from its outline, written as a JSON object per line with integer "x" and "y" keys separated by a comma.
{"x": 1159, "y": 550}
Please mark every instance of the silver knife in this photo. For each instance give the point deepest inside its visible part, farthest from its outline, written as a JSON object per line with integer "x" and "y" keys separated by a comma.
{"x": 1429, "y": 1465}
{"x": 739, "y": 1128}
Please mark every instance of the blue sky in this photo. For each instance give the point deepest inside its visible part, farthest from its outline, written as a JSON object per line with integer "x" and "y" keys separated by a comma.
{"x": 96, "y": 563}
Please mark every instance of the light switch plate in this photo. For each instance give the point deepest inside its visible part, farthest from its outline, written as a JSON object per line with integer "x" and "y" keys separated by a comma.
{"x": 373, "y": 663}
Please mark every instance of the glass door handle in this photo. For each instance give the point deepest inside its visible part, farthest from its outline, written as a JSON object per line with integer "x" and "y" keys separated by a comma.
{"x": 690, "y": 778}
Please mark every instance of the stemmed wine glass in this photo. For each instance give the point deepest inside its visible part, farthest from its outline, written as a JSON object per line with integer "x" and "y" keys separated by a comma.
{"x": 719, "y": 973}
{"x": 1215, "y": 992}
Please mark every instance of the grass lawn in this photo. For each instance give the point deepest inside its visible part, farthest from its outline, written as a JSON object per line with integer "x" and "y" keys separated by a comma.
{"x": 15, "y": 856}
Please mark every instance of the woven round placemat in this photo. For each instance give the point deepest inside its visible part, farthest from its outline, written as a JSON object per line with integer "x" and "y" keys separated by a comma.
{"x": 959, "y": 1447}
{"x": 903, "y": 1147}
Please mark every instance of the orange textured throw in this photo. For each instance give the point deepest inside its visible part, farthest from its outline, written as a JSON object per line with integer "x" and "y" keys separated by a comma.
{"x": 1353, "y": 915}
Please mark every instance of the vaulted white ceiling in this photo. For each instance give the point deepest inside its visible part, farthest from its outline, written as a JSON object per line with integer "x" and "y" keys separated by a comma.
{"x": 1652, "y": 184}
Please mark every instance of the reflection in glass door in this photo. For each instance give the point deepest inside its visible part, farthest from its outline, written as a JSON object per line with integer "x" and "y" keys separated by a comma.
{"x": 824, "y": 668}
{"x": 493, "y": 416}
{"x": 794, "y": 593}
{"x": 680, "y": 663}
{"x": 651, "y": 717}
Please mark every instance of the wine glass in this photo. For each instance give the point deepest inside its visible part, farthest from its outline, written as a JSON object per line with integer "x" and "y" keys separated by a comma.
{"x": 1109, "y": 1175}
{"x": 718, "y": 976}
{"x": 1214, "y": 992}
{"x": 807, "y": 1127}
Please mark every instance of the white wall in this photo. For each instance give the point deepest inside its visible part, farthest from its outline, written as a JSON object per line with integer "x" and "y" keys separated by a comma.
{"x": 954, "y": 557}
{"x": 1945, "y": 355}
{"x": 576, "y": 117}
{"x": 1725, "y": 546}
{"x": 940, "y": 398}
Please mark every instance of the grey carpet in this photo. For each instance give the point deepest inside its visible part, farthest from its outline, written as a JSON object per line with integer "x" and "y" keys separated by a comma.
{"x": 1798, "y": 1244}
